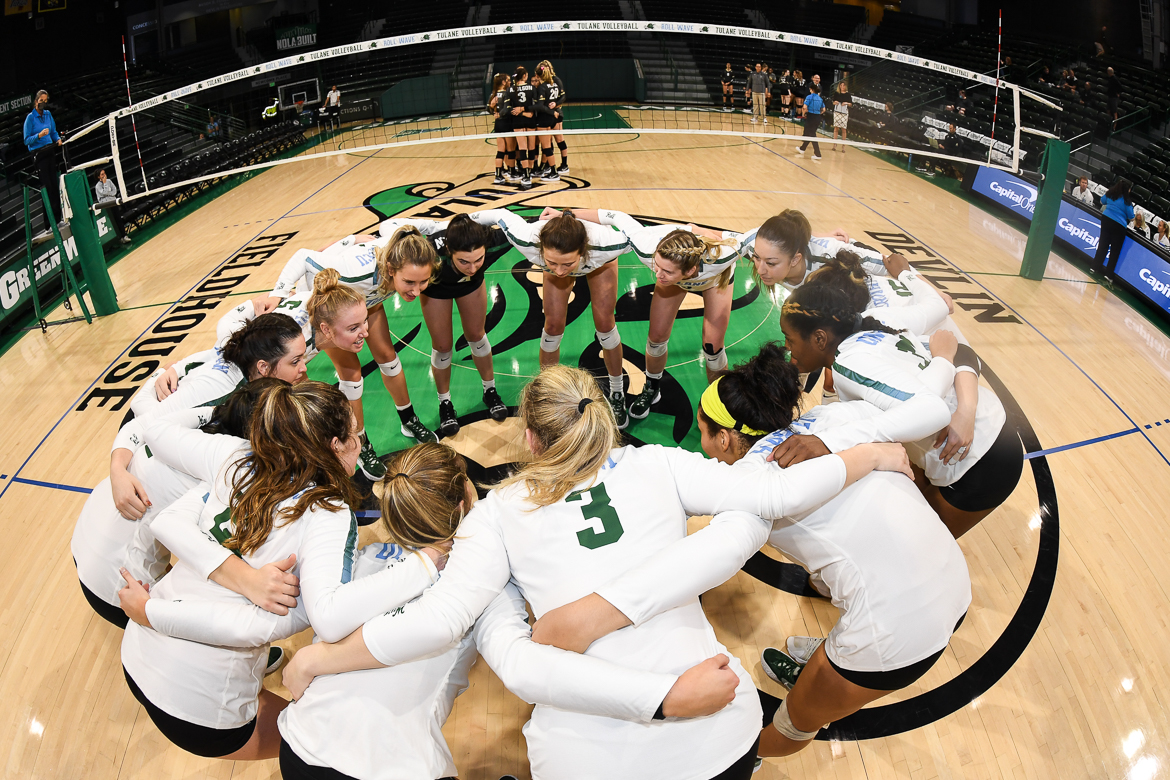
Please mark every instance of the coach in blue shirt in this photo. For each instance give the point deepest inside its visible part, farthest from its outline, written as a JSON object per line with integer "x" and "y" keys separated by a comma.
{"x": 814, "y": 106}
{"x": 40, "y": 136}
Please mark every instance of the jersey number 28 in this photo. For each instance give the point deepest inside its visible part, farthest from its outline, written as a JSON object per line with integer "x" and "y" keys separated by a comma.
{"x": 598, "y": 508}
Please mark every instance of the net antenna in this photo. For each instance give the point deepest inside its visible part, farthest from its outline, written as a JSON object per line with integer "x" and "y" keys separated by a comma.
{"x": 426, "y": 125}
{"x": 134, "y": 125}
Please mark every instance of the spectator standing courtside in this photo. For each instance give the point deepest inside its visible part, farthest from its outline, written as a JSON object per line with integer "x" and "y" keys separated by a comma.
{"x": 42, "y": 140}
{"x": 105, "y": 191}
{"x": 333, "y": 102}
{"x": 842, "y": 102}
{"x": 1082, "y": 192}
{"x": 758, "y": 86}
{"x": 1117, "y": 209}
{"x": 813, "y": 108}
{"x": 1113, "y": 92}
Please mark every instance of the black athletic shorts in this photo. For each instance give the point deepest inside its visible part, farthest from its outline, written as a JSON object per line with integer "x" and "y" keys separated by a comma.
{"x": 503, "y": 125}
{"x": 743, "y": 767}
{"x": 449, "y": 289}
{"x": 522, "y": 122}
{"x": 989, "y": 482}
{"x": 293, "y": 768}
{"x": 894, "y": 679}
{"x": 104, "y": 609}
{"x": 200, "y": 740}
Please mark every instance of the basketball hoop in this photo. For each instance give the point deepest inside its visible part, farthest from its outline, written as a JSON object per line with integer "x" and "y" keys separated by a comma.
{"x": 300, "y": 105}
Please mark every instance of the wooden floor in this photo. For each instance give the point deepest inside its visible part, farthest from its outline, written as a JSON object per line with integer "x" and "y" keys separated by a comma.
{"x": 1084, "y": 697}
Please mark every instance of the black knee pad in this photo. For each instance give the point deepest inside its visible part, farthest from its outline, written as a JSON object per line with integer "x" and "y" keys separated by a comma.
{"x": 562, "y": 145}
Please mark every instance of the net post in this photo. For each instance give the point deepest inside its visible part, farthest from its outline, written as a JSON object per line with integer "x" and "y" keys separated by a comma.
{"x": 89, "y": 245}
{"x": 1053, "y": 171}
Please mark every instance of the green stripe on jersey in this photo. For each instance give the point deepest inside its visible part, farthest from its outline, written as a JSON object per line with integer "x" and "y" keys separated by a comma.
{"x": 344, "y": 279}
{"x": 881, "y": 387}
{"x": 514, "y": 240}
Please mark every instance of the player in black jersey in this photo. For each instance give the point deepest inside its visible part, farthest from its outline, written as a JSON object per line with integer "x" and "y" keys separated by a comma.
{"x": 465, "y": 250}
{"x": 727, "y": 79}
{"x": 505, "y": 147}
{"x": 547, "y": 94}
{"x": 557, "y": 103}
{"x": 522, "y": 99}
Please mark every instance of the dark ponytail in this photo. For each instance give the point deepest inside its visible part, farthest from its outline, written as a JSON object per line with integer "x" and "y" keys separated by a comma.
{"x": 814, "y": 307}
{"x": 844, "y": 271}
{"x": 789, "y": 231}
{"x": 763, "y": 393}
{"x": 234, "y": 415}
{"x": 465, "y": 235}
{"x": 264, "y": 338}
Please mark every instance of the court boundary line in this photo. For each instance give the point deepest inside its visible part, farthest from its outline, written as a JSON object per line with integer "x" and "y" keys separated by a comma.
{"x": 1004, "y": 303}
{"x": 162, "y": 316}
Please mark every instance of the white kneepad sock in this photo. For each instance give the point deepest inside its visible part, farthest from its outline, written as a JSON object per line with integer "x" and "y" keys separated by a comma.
{"x": 716, "y": 361}
{"x": 549, "y": 343}
{"x": 609, "y": 339}
{"x": 481, "y": 348}
{"x": 440, "y": 360}
{"x": 655, "y": 348}
{"x": 351, "y": 390}
{"x": 393, "y": 368}
{"x": 783, "y": 723}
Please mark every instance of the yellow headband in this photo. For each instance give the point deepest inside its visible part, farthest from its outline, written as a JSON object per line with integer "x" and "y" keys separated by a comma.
{"x": 713, "y": 407}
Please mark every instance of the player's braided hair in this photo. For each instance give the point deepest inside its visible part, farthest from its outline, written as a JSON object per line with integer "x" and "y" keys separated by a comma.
{"x": 689, "y": 250}
{"x": 263, "y": 339}
{"x": 408, "y": 246}
{"x": 424, "y": 495}
{"x": 845, "y": 272}
{"x": 292, "y": 432}
{"x": 813, "y": 307}
{"x": 763, "y": 393}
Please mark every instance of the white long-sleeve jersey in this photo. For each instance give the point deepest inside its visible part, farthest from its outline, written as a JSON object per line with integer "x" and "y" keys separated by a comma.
{"x": 637, "y": 504}
{"x": 819, "y": 248}
{"x": 217, "y": 686}
{"x": 895, "y": 572}
{"x": 356, "y": 264}
{"x": 205, "y": 379}
{"x": 295, "y": 306}
{"x": 104, "y": 541}
{"x": 931, "y": 310}
{"x": 896, "y": 373}
{"x": 605, "y": 245}
{"x": 644, "y": 240}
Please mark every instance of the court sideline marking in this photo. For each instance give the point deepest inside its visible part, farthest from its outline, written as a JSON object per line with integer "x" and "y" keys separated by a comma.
{"x": 104, "y": 371}
{"x": 1005, "y": 304}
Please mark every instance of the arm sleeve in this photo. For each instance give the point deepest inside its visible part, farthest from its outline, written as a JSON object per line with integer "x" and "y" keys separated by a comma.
{"x": 222, "y": 623}
{"x": 923, "y": 315}
{"x": 130, "y": 436}
{"x": 871, "y": 259}
{"x": 515, "y": 228}
{"x": 475, "y": 574}
{"x": 292, "y": 273}
{"x": 177, "y": 528}
{"x": 910, "y": 410}
{"x": 335, "y": 603}
{"x": 200, "y": 388}
{"x": 30, "y": 137}
{"x": 53, "y": 129}
{"x": 232, "y": 321}
{"x": 425, "y": 226}
{"x": 708, "y": 487}
{"x": 176, "y": 440}
{"x": 540, "y": 674}
{"x": 192, "y": 362}
{"x": 677, "y": 574}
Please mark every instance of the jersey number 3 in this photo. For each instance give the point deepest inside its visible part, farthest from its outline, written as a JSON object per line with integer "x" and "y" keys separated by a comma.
{"x": 598, "y": 508}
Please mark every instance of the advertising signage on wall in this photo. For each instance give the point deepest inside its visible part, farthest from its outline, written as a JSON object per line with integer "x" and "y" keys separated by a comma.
{"x": 296, "y": 37}
{"x": 1140, "y": 266}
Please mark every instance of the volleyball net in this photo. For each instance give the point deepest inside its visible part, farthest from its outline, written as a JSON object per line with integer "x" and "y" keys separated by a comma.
{"x": 620, "y": 77}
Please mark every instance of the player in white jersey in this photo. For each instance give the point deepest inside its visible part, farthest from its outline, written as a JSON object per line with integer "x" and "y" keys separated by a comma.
{"x": 583, "y": 512}
{"x": 783, "y": 250}
{"x": 401, "y": 263}
{"x": 877, "y": 549}
{"x": 564, "y": 248}
{"x": 684, "y": 259}
{"x": 289, "y": 495}
{"x": 870, "y": 361}
{"x": 462, "y": 245}
{"x": 332, "y": 316}
{"x": 270, "y": 346}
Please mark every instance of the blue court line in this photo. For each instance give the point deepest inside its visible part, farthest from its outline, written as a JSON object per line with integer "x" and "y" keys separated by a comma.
{"x": 162, "y": 316}
{"x": 1075, "y": 444}
{"x": 976, "y": 282}
{"x": 53, "y": 485}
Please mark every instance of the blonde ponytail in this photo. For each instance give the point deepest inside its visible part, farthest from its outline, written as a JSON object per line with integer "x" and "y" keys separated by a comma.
{"x": 424, "y": 495}
{"x": 407, "y": 246}
{"x": 329, "y": 298}
{"x": 574, "y": 429}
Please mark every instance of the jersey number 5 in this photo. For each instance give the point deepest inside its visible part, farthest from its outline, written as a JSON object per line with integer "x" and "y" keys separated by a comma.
{"x": 598, "y": 508}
